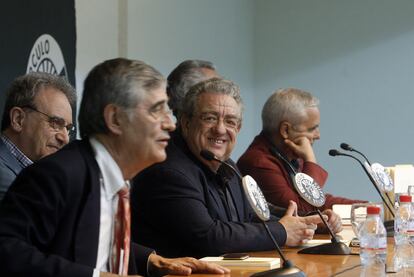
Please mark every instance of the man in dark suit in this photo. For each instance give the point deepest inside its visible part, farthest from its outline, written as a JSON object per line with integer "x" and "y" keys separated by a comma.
{"x": 64, "y": 215}
{"x": 187, "y": 205}
{"x": 37, "y": 121}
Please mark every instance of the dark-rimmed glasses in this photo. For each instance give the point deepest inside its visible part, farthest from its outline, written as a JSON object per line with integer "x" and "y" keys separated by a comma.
{"x": 55, "y": 122}
{"x": 212, "y": 119}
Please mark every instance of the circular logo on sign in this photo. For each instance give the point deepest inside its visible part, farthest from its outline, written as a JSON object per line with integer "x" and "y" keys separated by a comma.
{"x": 382, "y": 177}
{"x": 309, "y": 190}
{"x": 46, "y": 56}
{"x": 256, "y": 198}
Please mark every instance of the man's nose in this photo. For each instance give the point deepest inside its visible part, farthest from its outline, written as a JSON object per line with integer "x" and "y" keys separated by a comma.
{"x": 220, "y": 127}
{"x": 63, "y": 137}
{"x": 168, "y": 123}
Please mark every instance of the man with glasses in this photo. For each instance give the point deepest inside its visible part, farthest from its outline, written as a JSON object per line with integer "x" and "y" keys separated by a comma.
{"x": 37, "y": 121}
{"x": 68, "y": 214}
{"x": 187, "y": 205}
{"x": 290, "y": 120}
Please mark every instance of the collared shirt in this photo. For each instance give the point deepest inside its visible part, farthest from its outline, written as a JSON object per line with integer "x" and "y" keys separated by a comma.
{"x": 111, "y": 181}
{"x": 20, "y": 157}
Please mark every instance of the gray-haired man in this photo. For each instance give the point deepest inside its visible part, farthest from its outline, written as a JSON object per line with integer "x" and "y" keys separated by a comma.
{"x": 37, "y": 121}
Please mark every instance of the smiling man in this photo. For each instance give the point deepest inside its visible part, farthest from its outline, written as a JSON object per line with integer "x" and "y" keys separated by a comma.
{"x": 291, "y": 121}
{"x": 68, "y": 214}
{"x": 190, "y": 206}
{"x": 37, "y": 121}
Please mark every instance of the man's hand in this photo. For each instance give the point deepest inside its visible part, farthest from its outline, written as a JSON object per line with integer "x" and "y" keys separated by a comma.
{"x": 159, "y": 266}
{"x": 302, "y": 148}
{"x": 334, "y": 221}
{"x": 298, "y": 229}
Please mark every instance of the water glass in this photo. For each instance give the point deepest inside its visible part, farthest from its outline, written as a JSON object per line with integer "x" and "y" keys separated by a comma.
{"x": 359, "y": 214}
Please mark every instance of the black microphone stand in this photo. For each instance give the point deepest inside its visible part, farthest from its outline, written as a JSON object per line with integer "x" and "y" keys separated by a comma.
{"x": 347, "y": 147}
{"x": 287, "y": 269}
{"x": 334, "y": 152}
{"x": 335, "y": 247}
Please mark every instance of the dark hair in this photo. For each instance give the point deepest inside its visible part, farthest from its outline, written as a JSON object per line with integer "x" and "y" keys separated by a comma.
{"x": 182, "y": 78}
{"x": 118, "y": 81}
{"x": 23, "y": 90}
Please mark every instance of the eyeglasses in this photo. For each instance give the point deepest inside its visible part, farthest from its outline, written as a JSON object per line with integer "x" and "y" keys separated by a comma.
{"x": 210, "y": 120}
{"x": 160, "y": 111}
{"x": 56, "y": 123}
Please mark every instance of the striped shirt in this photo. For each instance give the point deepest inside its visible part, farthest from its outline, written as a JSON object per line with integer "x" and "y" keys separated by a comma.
{"x": 20, "y": 157}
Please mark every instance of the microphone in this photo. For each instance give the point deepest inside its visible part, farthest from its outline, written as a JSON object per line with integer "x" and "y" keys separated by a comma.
{"x": 334, "y": 152}
{"x": 377, "y": 170}
{"x": 306, "y": 183}
{"x": 311, "y": 192}
{"x": 280, "y": 156}
{"x": 259, "y": 205}
{"x": 209, "y": 156}
{"x": 347, "y": 147}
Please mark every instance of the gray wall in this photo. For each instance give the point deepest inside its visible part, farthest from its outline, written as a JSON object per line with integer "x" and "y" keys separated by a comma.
{"x": 358, "y": 58}
{"x": 355, "y": 55}
{"x": 164, "y": 33}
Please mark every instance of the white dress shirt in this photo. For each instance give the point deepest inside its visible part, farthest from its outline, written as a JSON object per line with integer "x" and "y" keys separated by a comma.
{"x": 111, "y": 181}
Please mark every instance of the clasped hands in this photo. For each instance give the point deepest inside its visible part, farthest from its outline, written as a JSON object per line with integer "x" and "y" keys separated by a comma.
{"x": 299, "y": 230}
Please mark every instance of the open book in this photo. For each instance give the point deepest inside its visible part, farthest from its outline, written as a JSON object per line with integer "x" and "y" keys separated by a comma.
{"x": 262, "y": 262}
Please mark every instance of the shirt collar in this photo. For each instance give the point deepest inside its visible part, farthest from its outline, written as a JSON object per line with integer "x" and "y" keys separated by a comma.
{"x": 111, "y": 174}
{"x": 15, "y": 151}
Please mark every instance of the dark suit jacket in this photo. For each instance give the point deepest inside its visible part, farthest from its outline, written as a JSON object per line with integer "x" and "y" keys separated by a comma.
{"x": 49, "y": 219}
{"x": 176, "y": 209}
{"x": 274, "y": 180}
{"x": 9, "y": 168}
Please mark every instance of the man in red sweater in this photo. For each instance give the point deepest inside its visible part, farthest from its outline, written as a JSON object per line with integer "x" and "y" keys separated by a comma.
{"x": 284, "y": 147}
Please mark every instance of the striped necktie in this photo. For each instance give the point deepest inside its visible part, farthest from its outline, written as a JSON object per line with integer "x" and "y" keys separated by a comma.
{"x": 122, "y": 234}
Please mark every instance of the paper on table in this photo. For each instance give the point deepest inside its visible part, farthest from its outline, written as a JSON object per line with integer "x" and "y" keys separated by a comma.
{"x": 344, "y": 211}
{"x": 263, "y": 262}
{"x": 320, "y": 241}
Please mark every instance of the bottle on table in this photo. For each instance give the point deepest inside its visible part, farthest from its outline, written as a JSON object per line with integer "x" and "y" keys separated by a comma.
{"x": 404, "y": 234}
{"x": 373, "y": 244}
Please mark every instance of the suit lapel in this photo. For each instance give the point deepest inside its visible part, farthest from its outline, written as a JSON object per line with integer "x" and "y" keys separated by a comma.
{"x": 216, "y": 197}
{"x": 87, "y": 233}
{"x": 238, "y": 197}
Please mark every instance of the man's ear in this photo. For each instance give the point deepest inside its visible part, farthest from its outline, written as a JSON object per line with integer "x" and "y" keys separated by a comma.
{"x": 114, "y": 117}
{"x": 17, "y": 118}
{"x": 284, "y": 129}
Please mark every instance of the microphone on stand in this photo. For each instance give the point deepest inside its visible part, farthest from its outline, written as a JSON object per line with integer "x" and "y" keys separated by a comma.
{"x": 311, "y": 192}
{"x": 347, "y": 147}
{"x": 260, "y": 207}
{"x": 209, "y": 156}
{"x": 376, "y": 170}
{"x": 308, "y": 190}
{"x": 334, "y": 152}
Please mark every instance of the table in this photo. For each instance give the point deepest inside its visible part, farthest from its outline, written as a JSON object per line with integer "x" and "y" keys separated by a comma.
{"x": 316, "y": 265}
